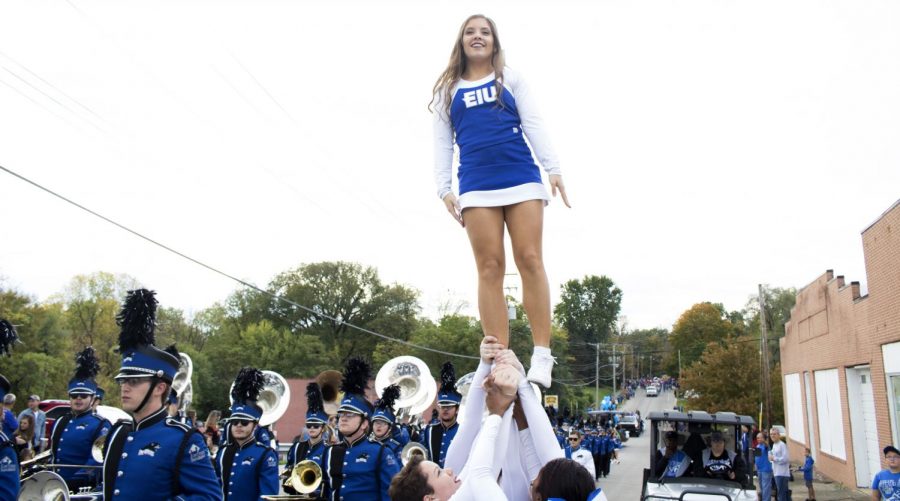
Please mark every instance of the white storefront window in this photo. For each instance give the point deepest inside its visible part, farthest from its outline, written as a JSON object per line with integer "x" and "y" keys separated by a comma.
{"x": 830, "y": 414}
{"x": 794, "y": 409}
{"x": 891, "y": 356}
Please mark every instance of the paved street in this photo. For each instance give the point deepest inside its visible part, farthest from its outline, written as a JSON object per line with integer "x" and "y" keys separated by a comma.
{"x": 624, "y": 481}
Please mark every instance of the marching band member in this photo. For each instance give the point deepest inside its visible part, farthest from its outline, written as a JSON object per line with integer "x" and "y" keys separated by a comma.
{"x": 153, "y": 458}
{"x": 579, "y": 454}
{"x": 74, "y": 434}
{"x": 383, "y": 420}
{"x": 247, "y": 469}
{"x": 402, "y": 433}
{"x": 357, "y": 469}
{"x": 98, "y": 398}
{"x": 314, "y": 448}
{"x": 9, "y": 460}
{"x": 439, "y": 436}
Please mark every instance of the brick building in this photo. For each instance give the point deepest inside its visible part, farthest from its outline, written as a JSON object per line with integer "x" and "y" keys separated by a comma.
{"x": 840, "y": 360}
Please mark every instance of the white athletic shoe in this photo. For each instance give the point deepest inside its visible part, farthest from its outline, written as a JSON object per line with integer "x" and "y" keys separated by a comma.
{"x": 541, "y": 367}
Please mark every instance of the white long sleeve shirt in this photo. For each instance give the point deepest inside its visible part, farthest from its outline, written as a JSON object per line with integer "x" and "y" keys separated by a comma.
{"x": 781, "y": 462}
{"x": 480, "y": 482}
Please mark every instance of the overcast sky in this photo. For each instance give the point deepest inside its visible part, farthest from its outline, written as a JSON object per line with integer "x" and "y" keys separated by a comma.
{"x": 707, "y": 146}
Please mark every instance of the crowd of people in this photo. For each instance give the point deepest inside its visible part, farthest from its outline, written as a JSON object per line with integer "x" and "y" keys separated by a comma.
{"x": 160, "y": 453}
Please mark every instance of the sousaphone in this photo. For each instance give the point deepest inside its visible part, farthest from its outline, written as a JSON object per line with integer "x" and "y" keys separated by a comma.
{"x": 274, "y": 398}
{"x": 417, "y": 386}
{"x": 330, "y": 384}
{"x": 182, "y": 382}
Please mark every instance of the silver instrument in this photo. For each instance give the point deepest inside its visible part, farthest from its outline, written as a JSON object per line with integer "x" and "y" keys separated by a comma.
{"x": 182, "y": 382}
{"x": 413, "y": 449}
{"x": 274, "y": 398}
{"x": 417, "y": 386}
{"x": 43, "y": 486}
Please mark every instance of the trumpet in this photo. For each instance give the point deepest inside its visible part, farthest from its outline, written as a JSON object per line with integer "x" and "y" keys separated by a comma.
{"x": 305, "y": 478}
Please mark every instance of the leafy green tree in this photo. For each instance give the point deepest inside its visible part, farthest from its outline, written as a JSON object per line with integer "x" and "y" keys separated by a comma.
{"x": 778, "y": 304}
{"x": 452, "y": 334}
{"x": 348, "y": 293}
{"x": 727, "y": 378}
{"x": 588, "y": 310}
{"x": 648, "y": 348}
{"x": 42, "y": 362}
{"x": 724, "y": 378}
{"x": 700, "y": 325}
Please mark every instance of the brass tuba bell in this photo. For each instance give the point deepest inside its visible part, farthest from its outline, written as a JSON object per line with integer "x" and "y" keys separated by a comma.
{"x": 330, "y": 384}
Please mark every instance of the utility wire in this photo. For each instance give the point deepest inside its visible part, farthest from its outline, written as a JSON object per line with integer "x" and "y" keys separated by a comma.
{"x": 227, "y": 275}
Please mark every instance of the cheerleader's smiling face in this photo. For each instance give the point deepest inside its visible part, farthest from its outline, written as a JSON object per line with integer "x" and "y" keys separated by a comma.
{"x": 478, "y": 39}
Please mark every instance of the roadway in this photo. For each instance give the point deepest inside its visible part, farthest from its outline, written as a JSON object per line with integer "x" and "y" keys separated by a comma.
{"x": 624, "y": 481}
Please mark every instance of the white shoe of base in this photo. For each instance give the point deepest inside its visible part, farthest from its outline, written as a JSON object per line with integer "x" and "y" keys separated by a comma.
{"x": 541, "y": 369}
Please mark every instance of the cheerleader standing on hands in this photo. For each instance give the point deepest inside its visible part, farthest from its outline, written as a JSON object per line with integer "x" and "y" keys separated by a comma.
{"x": 486, "y": 109}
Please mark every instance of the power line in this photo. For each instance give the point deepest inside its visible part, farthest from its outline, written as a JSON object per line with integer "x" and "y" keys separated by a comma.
{"x": 232, "y": 277}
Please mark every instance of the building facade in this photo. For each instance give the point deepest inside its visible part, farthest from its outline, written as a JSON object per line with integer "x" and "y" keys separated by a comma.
{"x": 840, "y": 361}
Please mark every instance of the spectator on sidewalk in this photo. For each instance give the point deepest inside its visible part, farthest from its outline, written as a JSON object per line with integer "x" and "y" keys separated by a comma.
{"x": 886, "y": 484}
{"x": 39, "y": 418}
{"x": 746, "y": 440}
{"x": 763, "y": 467}
{"x": 807, "y": 470}
{"x": 781, "y": 465}
{"x": 10, "y": 423}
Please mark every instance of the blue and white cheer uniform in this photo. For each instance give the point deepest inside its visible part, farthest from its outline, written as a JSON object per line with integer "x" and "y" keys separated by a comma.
{"x": 496, "y": 166}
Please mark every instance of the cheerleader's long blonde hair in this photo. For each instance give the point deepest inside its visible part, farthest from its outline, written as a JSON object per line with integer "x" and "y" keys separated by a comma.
{"x": 457, "y": 66}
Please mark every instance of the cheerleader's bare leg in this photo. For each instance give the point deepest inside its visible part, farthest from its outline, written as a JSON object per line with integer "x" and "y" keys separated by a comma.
{"x": 485, "y": 226}
{"x": 525, "y": 222}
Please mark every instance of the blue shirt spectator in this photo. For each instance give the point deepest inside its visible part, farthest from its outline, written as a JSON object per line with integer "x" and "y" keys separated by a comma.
{"x": 807, "y": 468}
{"x": 762, "y": 460}
{"x": 10, "y": 423}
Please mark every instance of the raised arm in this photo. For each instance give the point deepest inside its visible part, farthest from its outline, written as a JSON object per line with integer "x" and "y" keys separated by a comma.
{"x": 461, "y": 446}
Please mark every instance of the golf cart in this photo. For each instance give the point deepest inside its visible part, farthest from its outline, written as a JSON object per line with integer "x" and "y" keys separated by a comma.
{"x": 608, "y": 419}
{"x": 690, "y": 434}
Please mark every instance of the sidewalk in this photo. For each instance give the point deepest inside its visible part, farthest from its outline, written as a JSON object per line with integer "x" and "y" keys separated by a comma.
{"x": 827, "y": 490}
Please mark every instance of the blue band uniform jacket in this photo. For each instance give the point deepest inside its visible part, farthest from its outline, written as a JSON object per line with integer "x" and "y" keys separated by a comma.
{"x": 9, "y": 469}
{"x": 247, "y": 471}
{"x": 391, "y": 445}
{"x": 312, "y": 452}
{"x": 438, "y": 439}
{"x": 158, "y": 459}
{"x": 361, "y": 471}
{"x": 71, "y": 440}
